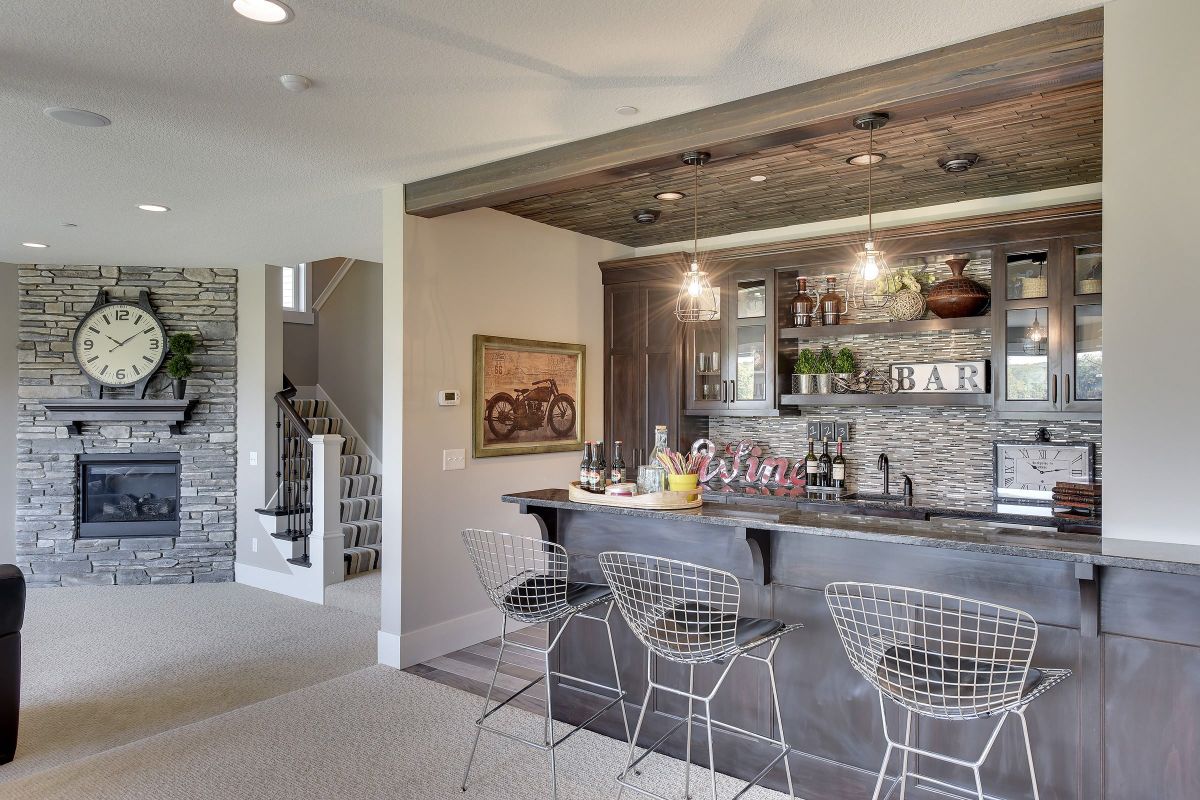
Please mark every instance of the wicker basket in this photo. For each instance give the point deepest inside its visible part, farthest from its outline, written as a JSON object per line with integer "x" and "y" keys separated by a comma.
{"x": 1034, "y": 286}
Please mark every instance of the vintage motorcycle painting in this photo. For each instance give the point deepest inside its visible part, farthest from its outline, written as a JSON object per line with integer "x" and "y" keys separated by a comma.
{"x": 528, "y": 396}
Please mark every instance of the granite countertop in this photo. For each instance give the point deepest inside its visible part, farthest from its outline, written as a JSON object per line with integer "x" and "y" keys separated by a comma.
{"x": 979, "y": 535}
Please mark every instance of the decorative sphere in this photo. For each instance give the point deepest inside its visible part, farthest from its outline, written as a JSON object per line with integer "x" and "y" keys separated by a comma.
{"x": 906, "y": 304}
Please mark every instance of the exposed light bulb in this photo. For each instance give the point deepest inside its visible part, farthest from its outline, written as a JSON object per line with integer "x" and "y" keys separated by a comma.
{"x": 870, "y": 262}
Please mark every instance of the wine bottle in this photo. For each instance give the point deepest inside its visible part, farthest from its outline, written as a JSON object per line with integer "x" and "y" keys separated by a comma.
{"x": 601, "y": 468}
{"x": 839, "y": 467}
{"x": 585, "y": 467}
{"x": 618, "y": 465}
{"x": 825, "y": 465}
{"x": 811, "y": 469}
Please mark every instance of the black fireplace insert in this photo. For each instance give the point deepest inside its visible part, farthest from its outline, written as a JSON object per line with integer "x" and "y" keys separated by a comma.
{"x": 128, "y": 494}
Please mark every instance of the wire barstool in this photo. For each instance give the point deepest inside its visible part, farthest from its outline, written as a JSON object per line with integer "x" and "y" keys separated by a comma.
{"x": 944, "y": 657}
{"x": 526, "y": 579}
{"x": 689, "y": 614}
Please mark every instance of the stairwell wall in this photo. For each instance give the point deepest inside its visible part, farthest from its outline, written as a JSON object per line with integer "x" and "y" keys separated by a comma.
{"x": 491, "y": 273}
{"x": 350, "y": 350}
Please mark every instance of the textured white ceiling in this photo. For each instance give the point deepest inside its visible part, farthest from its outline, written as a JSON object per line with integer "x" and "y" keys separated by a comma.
{"x": 402, "y": 90}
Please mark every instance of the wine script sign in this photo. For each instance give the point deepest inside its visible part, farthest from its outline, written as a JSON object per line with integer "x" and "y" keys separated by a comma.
{"x": 951, "y": 377}
{"x": 769, "y": 471}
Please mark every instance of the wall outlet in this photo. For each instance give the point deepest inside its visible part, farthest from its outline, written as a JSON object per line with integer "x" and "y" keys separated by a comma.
{"x": 454, "y": 459}
{"x": 253, "y": 458}
{"x": 253, "y": 544}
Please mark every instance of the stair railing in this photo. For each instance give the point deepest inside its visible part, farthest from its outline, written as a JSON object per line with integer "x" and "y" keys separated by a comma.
{"x": 294, "y": 473}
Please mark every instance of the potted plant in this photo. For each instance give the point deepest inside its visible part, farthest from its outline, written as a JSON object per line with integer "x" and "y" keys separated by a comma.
{"x": 825, "y": 371}
{"x": 802, "y": 376}
{"x": 179, "y": 365}
{"x": 844, "y": 368}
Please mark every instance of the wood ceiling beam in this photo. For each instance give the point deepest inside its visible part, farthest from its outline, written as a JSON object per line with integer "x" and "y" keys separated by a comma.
{"x": 1056, "y": 52}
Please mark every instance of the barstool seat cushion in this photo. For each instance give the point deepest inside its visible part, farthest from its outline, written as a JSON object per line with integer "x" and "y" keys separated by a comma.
{"x": 697, "y": 623}
{"x": 926, "y": 677}
{"x": 536, "y": 593}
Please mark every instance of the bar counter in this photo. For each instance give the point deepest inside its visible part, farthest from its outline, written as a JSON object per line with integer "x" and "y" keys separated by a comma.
{"x": 1122, "y": 616}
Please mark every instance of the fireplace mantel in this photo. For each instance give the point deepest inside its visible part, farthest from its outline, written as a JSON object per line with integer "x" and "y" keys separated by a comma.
{"x": 75, "y": 410}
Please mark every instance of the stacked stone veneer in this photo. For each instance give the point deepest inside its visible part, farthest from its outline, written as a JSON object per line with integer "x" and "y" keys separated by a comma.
{"x": 202, "y": 302}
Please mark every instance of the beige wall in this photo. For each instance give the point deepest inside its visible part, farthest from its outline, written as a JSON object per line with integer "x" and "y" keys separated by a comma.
{"x": 350, "y": 350}
{"x": 8, "y": 412}
{"x": 1151, "y": 277}
{"x": 301, "y": 357}
{"x": 476, "y": 272}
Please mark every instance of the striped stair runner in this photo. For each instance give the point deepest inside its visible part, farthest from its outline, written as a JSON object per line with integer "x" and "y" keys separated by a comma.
{"x": 361, "y": 490}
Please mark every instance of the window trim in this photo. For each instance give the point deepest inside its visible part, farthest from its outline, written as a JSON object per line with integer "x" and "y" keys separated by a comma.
{"x": 302, "y": 290}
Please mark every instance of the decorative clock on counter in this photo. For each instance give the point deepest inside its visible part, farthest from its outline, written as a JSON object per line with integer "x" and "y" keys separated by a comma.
{"x": 120, "y": 344}
{"x": 1029, "y": 470}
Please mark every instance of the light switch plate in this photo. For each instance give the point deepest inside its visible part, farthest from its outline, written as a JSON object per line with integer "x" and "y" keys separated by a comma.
{"x": 253, "y": 458}
{"x": 454, "y": 459}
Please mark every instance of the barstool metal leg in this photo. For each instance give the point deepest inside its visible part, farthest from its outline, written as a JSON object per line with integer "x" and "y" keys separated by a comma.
{"x": 550, "y": 728}
{"x": 787, "y": 767}
{"x": 908, "y": 719}
{"x": 612, "y": 650}
{"x": 487, "y": 699}
{"x": 712, "y": 764}
{"x": 687, "y": 759}
{"x": 637, "y": 729}
{"x": 887, "y": 756}
{"x": 1029, "y": 753}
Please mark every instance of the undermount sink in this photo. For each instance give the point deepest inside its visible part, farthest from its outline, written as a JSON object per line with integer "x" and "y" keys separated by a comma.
{"x": 878, "y": 498}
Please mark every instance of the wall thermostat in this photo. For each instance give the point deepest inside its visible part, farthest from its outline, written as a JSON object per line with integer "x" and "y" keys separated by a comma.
{"x": 448, "y": 397}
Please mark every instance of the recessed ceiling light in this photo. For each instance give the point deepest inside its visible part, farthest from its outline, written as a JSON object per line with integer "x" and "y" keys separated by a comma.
{"x": 960, "y": 162}
{"x": 863, "y": 159}
{"x": 69, "y": 225}
{"x": 646, "y": 216}
{"x": 758, "y": 178}
{"x": 271, "y": 12}
{"x": 152, "y": 207}
{"x": 38, "y": 245}
{"x": 670, "y": 196}
{"x": 627, "y": 111}
{"x": 77, "y": 116}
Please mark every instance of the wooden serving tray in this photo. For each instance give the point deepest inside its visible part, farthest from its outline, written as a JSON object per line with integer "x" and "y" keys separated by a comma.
{"x": 659, "y": 501}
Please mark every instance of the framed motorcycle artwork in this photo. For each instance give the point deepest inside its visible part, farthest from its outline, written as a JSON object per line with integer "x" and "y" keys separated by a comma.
{"x": 527, "y": 396}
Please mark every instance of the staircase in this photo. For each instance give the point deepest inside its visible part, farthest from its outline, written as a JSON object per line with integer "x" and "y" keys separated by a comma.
{"x": 361, "y": 503}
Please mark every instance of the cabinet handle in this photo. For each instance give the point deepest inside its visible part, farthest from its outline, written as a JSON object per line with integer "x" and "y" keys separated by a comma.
{"x": 1054, "y": 389}
{"x": 732, "y": 392}
{"x": 1067, "y": 388}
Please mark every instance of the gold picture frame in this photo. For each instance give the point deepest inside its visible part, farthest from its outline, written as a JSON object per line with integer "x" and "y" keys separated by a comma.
{"x": 527, "y": 396}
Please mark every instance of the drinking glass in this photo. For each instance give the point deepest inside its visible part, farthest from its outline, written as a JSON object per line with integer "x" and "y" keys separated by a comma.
{"x": 651, "y": 478}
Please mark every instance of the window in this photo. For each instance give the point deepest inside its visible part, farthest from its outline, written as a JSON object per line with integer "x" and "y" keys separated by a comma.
{"x": 295, "y": 293}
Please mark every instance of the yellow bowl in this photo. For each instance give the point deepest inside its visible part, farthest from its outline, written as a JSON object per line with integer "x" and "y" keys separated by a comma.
{"x": 683, "y": 483}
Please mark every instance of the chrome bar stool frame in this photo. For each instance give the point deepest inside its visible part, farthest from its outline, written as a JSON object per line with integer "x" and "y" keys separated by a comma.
{"x": 526, "y": 579}
{"x": 944, "y": 657}
{"x": 688, "y": 614}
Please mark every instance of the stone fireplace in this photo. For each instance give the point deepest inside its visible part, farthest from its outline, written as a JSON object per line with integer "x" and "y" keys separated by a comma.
{"x": 126, "y": 501}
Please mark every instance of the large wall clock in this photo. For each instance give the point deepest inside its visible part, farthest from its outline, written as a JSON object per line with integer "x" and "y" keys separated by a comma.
{"x": 120, "y": 344}
{"x": 1029, "y": 470}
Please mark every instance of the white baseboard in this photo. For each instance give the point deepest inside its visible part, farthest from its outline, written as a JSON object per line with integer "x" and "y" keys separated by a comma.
{"x": 284, "y": 583}
{"x": 428, "y": 643}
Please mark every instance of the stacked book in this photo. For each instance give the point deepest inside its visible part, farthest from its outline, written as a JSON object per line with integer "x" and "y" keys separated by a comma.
{"x": 1078, "y": 501}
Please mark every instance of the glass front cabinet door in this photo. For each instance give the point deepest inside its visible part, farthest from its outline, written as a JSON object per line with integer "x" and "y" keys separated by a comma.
{"x": 731, "y": 360}
{"x": 1047, "y": 328}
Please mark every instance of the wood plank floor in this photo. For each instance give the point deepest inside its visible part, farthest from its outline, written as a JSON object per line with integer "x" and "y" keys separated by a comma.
{"x": 470, "y": 669}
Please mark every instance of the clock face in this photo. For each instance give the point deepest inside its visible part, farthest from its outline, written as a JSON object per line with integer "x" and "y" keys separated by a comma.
{"x": 1031, "y": 470}
{"x": 119, "y": 344}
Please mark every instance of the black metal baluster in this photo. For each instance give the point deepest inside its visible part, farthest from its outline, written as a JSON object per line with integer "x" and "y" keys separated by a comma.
{"x": 279, "y": 499}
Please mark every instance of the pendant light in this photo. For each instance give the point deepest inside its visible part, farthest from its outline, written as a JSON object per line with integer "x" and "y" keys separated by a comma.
{"x": 697, "y": 301}
{"x": 870, "y": 265}
{"x": 1035, "y": 336}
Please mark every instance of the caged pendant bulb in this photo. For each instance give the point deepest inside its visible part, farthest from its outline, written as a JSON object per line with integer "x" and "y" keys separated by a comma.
{"x": 697, "y": 301}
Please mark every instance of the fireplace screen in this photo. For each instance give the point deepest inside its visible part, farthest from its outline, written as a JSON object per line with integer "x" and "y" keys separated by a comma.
{"x": 128, "y": 495}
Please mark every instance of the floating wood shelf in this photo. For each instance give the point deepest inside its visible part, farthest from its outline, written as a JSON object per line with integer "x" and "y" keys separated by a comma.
{"x": 87, "y": 409}
{"x": 898, "y": 399}
{"x": 908, "y": 326}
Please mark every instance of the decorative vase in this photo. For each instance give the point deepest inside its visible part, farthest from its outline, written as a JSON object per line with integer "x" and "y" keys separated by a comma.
{"x": 906, "y": 305}
{"x": 178, "y": 387}
{"x": 824, "y": 383}
{"x": 957, "y": 296}
{"x": 803, "y": 305}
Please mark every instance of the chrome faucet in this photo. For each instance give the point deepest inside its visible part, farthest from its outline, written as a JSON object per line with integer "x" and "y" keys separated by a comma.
{"x": 883, "y": 464}
{"x": 908, "y": 487}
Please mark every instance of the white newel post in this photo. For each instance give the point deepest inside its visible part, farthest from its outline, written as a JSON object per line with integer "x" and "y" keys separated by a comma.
{"x": 327, "y": 545}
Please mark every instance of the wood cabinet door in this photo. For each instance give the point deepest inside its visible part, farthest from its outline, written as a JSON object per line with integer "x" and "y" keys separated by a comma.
{"x": 1082, "y": 324}
{"x": 659, "y": 364}
{"x": 1026, "y": 333}
{"x": 750, "y": 333}
{"x": 624, "y": 332}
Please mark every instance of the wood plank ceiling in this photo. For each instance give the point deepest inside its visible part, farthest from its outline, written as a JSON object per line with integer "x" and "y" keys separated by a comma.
{"x": 1043, "y": 140}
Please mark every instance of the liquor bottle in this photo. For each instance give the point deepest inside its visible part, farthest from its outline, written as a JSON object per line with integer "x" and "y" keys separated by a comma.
{"x": 585, "y": 467}
{"x": 660, "y": 446}
{"x": 831, "y": 304}
{"x": 600, "y": 468}
{"x": 825, "y": 465}
{"x": 811, "y": 468}
{"x": 618, "y": 465}
{"x": 803, "y": 305}
{"x": 839, "y": 467}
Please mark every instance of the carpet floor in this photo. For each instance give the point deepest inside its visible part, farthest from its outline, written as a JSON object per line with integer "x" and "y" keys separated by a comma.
{"x": 375, "y": 733}
{"x": 108, "y": 665}
{"x": 358, "y": 593}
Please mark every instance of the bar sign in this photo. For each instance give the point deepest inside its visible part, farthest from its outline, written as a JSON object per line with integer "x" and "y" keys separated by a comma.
{"x": 945, "y": 377}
